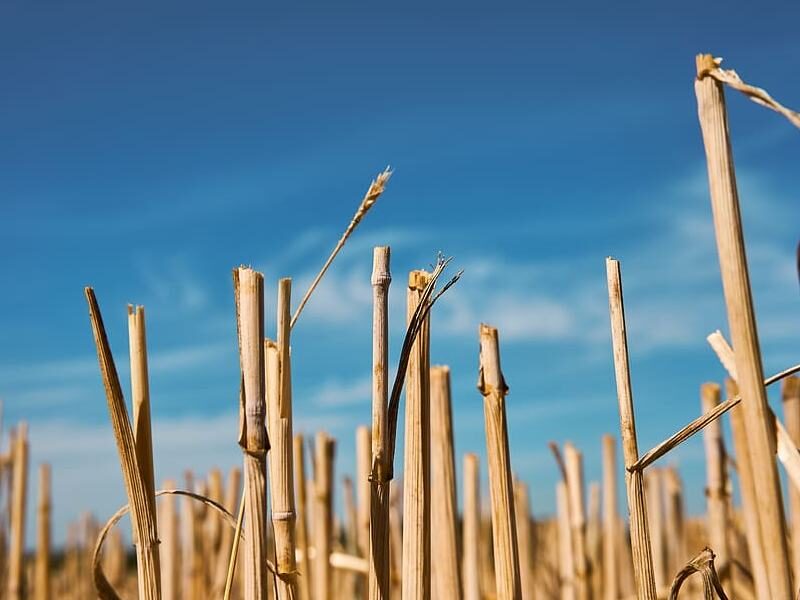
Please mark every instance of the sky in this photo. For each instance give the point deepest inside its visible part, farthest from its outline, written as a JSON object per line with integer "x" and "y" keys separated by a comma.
{"x": 147, "y": 150}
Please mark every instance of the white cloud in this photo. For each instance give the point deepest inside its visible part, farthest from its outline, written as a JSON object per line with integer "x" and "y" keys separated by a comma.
{"x": 168, "y": 360}
{"x": 343, "y": 393}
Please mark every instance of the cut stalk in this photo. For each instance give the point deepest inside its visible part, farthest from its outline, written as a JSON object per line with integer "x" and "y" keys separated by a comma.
{"x": 742, "y": 324}
{"x": 232, "y": 500}
{"x": 19, "y": 491}
{"x": 142, "y": 511}
{"x": 379, "y": 566}
{"x": 791, "y": 416}
{"x": 655, "y": 523}
{"x": 168, "y": 526}
{"x": 249, "y": 296}
{"x": 190, "y": 560}
{"x": 492, "y": 386}
{"x": 640, "y": 536}
{"x": 323, "y": 516}
{"x": 304, "y": 581}
{"x": 396, "y": 538}
{"x": 716, "y": 479}
{"x": 749, "y": 494}
{"x": 593, "y": 541}
{"x": 279, "y": 409}
{"x": 444, "y": 508}
{"x": 42, "y": 587}
{"x": 416, "y": 584}
{"x": 472, "y": 528}
{"x": 573, "y": 462}
{"x": 611, "y": 587}
{"x": 676, "y": 526}
{"x": 363, "y": 469}
{"x": 140, "y": 399}
{"x": 524, "y": 532}
{"x": 566, "y": 558}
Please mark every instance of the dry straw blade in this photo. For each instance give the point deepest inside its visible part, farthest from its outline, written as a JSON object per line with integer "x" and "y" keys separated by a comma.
{"x": 374, "y": 192}
{"x": 142, "y": 512}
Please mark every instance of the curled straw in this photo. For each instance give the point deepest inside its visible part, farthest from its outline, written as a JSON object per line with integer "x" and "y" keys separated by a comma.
{"x": 101, "y": 585}
{"x": 370, "y": 198}
{"x": 703, "y": 563}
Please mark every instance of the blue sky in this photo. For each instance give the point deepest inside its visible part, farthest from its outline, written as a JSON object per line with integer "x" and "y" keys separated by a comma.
{"x": 147, "y": 150}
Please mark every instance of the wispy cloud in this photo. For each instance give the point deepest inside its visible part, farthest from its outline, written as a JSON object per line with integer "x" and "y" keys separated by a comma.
{"x": 170, "y": 285}
{"x": 20, "y": 376}
{"x": 334, "y": 393}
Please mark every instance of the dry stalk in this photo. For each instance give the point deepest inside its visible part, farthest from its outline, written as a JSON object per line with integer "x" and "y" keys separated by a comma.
{"x": 791, "y": 414}
{"x": 493, "y": 388}
{"x": 323, "y": 515}
{"x": 143, "y": 511}
{"x": 232, "y": 500}
{"x": 524, "y": 532}
{"x": 742, "y": 324}
{"x": 640, "y": 536}
{"x": 444, "y": 507}
{"x": 611, "y": 588}
{"x": 363, "y": 469}
{"x": 212, "y": 529}
{"x": 279, "y": 410}
{"x": 716, "y": 477}
{"x": 140, "y": 399}
{"x": 416, "y": 583}
{"x": 472, "y": 529}
{"x": 304, "y": 586}
{"x": 749, "y": 497}
{"x": 593, "y": 540}
{"x": 676, "y": 526}
{"x": 573, "y": 462}
{"x": 379, "y": 567}
{"x": 19, "y": 486}
{"x": 190, "y": 543}
{"x": 249, "y": 296}
{"x": 566, "y": 557}
{"x": 370, "y": 198}
{"x": 170, "y": 547}
{"x": 655, "y": 522}
{"x": 42, "y": 586}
